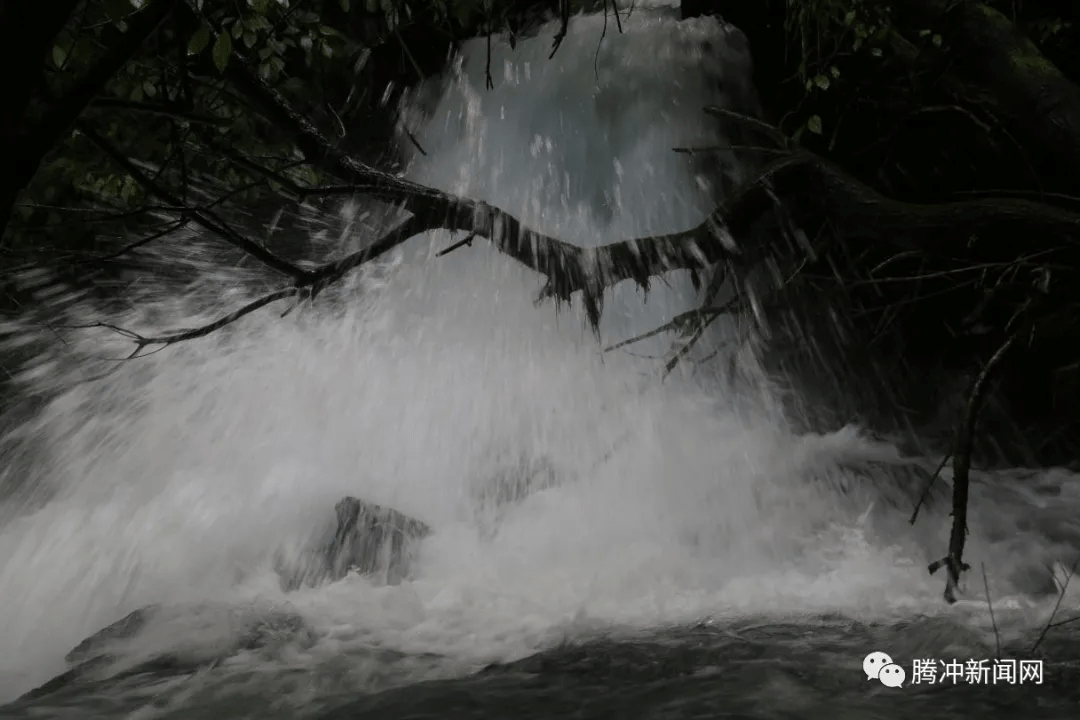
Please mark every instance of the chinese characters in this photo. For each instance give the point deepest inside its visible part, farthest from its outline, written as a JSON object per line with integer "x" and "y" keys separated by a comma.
{"x": 977, "y": 672}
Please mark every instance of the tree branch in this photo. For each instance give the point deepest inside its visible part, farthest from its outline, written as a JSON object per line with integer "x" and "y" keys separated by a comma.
{"x": 954, "y": 561}
{"x": 568, "y": 268}
{"x": 203, "y": 217}
{"x": 159, "y": 109}
{"x": 807, "y": 185}
{"x": 177, "y": 336}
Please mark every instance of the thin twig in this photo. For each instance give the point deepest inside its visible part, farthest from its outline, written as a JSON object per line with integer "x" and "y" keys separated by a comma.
{"x": 990, "y": 604}
{"x": 487, "y": 68}
{"x": 564, "y": 26}
{"x": 413, "y": 140}
{"x": 600, "y": 43}
{"x": 775, "y": 134}
{"x": 679, "y": 322}
{"x": 159, "y": 109}
{"x": 1057, "y": 605}
{"x": 727, "y": 148}
{"x": 467, "y": 241}
{"x": 205, "y": 218}
{"x": 926, "y": 491}
{"x": 144, "y": 341}
{"x": 954, "y": 562}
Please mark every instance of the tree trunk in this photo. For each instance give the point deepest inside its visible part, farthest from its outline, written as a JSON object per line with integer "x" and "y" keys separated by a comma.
{"x": 1003, "y": 68}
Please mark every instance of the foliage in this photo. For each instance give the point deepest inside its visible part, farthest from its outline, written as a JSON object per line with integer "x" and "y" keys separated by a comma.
{"x": 829, "y": 35}
{"x": 171, "y": 107}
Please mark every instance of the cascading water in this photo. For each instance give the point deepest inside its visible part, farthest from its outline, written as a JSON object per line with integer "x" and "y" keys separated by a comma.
{"x": 176, "y": 480}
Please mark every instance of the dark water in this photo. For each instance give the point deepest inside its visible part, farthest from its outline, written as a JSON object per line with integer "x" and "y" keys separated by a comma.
{"x": 769, "y": 668}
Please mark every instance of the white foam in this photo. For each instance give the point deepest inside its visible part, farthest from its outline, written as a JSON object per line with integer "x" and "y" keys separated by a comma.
{"x": 179, "y": 476}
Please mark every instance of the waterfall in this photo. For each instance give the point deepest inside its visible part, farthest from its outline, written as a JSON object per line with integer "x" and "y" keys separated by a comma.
{"x": 177, "y": 479}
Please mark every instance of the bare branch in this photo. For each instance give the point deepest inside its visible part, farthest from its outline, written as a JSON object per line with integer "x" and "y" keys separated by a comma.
{"x": 954, "y": 561}
{"x": 773, "y": 133}
{"x": 728, "y": 148}
{"x": 143, "y": 341}
{"x": 812, "y": 187}
{"x": 990, "y": 605}
{"x": 564, "y": 27}
{"x": 1057, "y": 605}
{"x": 930, "y": 484}
{"x": 206, "y": 218}
{"x": 159, "y": 109}
{"x": 679, "y": 322}
{"x": 467, "y": 242}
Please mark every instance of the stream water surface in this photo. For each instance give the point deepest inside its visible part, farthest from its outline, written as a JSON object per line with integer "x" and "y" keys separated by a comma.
{"x": 694, "y": 556}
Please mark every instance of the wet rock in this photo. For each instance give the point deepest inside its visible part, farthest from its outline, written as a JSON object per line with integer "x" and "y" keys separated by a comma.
{"x": 184, "y": 640}
{"x": 369, "y": 539}
{"x": 510, "y": 486}
{"x": 1034, "y": 580}
{"x": 98, "y": 644}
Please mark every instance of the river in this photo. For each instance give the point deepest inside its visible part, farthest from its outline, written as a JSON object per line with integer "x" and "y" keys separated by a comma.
{"x": 695, "y": 556}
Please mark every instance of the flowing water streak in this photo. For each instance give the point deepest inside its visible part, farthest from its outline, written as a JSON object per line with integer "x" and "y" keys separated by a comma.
{"x": 176, "y": 479}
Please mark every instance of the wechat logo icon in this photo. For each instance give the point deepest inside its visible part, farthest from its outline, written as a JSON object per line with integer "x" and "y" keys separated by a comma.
{"x": 879, "y": 666}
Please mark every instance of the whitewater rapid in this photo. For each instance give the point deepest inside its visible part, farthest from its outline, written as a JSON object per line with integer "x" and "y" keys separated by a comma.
{"x": 177, "y": 478}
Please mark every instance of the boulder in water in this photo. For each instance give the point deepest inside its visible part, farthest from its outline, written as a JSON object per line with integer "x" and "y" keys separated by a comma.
{"x": 369, "y": 539}
{"x": 158, "y": 642}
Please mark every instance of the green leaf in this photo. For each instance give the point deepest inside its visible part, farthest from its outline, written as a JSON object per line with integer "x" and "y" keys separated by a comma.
{"x": 876, "y": 52}
{"x": 463, "y": 11}
{"x": 849, "y": 18}
{"x": 835, "y": 72}
{"x": 199, "y": 40}
{"x": 814, "y": 124}
{"x": 344, "y": 5}
{"x": 222, "y": 50}
{"x": 117, "y": 10}
{"x": 249, "y": 39}
{"x": 822, "y": 81}
{"x": 83, "y": 50}
{"x": 936, "y": 40}
{"x": 237, "y": 30}
{"x": 59, "y": 55}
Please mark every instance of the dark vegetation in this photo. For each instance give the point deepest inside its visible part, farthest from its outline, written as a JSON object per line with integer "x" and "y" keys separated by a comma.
{"x": 916, "y": 205}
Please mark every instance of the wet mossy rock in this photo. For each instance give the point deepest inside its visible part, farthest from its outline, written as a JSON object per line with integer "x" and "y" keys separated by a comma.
{"x": 368, "y": 539}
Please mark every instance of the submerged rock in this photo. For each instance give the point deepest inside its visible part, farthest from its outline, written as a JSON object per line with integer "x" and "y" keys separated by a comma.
{"x": 158, "y": 642}
{"x": 508, "y": 487}
{"x": 98, "y": 644}
{"x": 369, "y": 539}
{"x": 153, "y": 642}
